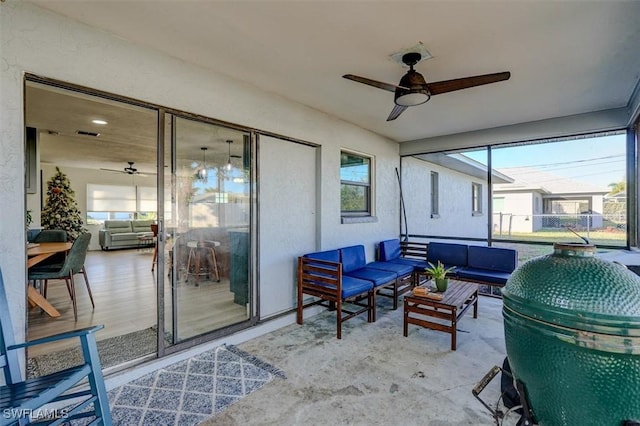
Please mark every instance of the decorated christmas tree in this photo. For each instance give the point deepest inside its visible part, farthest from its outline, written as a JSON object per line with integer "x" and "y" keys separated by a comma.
{"x": 61, "y": 210}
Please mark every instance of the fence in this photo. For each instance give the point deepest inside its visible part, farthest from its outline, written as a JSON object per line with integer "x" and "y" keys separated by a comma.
{"x": 504, "y": 224}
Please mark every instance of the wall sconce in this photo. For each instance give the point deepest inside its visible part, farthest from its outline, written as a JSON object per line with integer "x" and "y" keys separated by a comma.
{"x": 201, "y": 174}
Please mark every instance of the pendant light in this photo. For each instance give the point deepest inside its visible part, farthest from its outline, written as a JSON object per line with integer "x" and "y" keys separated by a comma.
{"x": 229, "y": 166}
{"x": 202, "y": 172}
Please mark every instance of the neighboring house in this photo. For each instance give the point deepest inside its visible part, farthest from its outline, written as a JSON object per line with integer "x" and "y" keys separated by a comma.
{"x": 537, "y": 199}
{"x": 453, "y": 188}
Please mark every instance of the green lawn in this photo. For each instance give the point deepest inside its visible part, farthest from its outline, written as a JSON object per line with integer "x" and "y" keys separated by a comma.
{"x": 529, "y": 251}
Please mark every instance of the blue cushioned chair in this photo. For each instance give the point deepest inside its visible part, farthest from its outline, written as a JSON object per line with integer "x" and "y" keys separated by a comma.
{"x": 354, "y": 264}
{"x": 320, "y": 275}
{"x": 391, "y": 251}
{"x": 21, "y": 398}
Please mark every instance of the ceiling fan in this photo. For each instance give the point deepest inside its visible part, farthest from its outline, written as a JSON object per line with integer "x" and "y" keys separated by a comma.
{"x": 129, "y": 170}
{"x": 414, "y": 90}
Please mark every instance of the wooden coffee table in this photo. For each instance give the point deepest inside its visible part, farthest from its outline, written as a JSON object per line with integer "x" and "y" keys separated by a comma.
{"x": 442, "y": 315}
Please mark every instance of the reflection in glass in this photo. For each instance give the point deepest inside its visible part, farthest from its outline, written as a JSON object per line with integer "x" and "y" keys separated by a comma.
{"x": 208, "y": 287}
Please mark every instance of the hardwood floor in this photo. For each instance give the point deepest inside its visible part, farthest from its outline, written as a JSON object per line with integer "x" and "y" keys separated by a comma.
{"x": 124, "y": 291}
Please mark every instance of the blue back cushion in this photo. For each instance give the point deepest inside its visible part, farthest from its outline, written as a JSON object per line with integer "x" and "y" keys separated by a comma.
{"x": 389, "y": 250}
{"x": 496, "y": 259}
{"x": 447, "y": 253}
{"x": 330, "y": 255}
{"x": 352, "y": 258}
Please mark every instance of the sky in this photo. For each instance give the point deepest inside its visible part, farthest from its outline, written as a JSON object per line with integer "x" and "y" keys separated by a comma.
{"x": 598, "y": 161}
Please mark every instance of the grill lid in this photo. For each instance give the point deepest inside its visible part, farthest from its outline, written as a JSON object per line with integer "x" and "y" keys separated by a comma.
{"x": 573, "y": 288}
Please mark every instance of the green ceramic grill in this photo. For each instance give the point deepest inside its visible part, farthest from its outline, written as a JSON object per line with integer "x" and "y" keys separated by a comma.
{"x": 572, "y": 333}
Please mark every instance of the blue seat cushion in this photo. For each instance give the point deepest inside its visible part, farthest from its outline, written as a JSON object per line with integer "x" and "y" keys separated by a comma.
{"x": 388, "y": 250}
{"x": 329, "y": 255}
{"x": 352, "y": 258}
{"x": 400, "y": 269}
{"x": 493, "y": 258}
{"x": 418, "y": 265}
{"x": 484, "y": 275}
{"x": 447, "y": 253}
{"x": 353, "y": 286}
{"x": 376, "y": 276}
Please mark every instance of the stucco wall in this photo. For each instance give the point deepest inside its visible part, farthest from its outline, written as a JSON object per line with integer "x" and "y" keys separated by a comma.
{"x": 455, "y": 215}
{"x": 46, "y": 44}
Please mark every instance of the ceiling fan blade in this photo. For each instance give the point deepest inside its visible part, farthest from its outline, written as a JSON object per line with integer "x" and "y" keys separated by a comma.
{"x": 374, "y": 83}
{"x": 396, "y": 111}
{"x": 446, "y": 86}
{"x": 113, "y": 170}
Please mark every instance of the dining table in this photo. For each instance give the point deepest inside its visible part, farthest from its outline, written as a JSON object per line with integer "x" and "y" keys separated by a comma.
{"x": 36, "y": 253}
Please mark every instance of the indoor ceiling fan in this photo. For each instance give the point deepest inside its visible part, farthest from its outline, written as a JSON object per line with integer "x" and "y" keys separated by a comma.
{"x": 414, "y": 90}
{"x": 129, "y": 170}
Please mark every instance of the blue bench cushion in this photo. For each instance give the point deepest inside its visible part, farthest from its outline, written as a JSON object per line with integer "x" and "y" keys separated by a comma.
{"x": 352, "y": 258}
{"x": 353, "y": 286}
{"x": 492, "y": 258}
{"x": 448, "y": 253}
{"x": 484, "y": 275}
{"x": 389, "y": 250}
{"x": 400, "y": 269}
{"x": 376, "y": 276}
{"x": 418, "y": 265}
{"x": 330, "y": 255}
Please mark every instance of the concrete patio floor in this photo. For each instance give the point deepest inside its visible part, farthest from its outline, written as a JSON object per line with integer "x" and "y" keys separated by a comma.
{"x": 374, "y": 375}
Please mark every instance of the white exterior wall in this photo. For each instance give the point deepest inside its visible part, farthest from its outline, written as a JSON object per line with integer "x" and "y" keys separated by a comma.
{"x": 40, "y": 42}
{"x": 520, "y": 206}
{"x": 456, "y": 219}
{"x": 597, "y": 207}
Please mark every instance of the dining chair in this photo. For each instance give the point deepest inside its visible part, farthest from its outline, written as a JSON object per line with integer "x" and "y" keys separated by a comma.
{"x": 73, "y": 264}
{"x": 52, "y": 236}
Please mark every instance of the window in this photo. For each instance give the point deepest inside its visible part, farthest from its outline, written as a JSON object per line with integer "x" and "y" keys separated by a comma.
{"x": 120, "y": 202}
{"x": 355, "y": 184}
{"x": 476, "y": 195}
{"x": 435, "y": 212}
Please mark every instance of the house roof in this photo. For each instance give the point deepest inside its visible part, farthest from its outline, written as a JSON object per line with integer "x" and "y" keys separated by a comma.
{"x": 463, "y": 164}
{"x": 533, "y": 179}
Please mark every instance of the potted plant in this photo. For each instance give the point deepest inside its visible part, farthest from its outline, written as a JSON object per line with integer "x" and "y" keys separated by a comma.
{"x": 439, "y": 274}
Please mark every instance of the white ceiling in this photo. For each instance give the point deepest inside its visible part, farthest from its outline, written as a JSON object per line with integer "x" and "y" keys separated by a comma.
{"x": 565, "y": 58}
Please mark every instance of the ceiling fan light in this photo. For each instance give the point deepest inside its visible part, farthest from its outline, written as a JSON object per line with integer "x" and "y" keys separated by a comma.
{"x": 413, "y": 97}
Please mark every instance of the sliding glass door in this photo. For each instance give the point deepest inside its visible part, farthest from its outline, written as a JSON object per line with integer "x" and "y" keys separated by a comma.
{"x": 206, "y": 228}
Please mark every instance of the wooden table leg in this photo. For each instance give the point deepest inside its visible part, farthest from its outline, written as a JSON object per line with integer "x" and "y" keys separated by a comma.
{"x": 454, "y": 328}
{"x": 36, "y": 298}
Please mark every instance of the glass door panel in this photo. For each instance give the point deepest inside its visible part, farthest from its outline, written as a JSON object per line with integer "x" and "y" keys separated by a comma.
{"x": 207, "y": 216}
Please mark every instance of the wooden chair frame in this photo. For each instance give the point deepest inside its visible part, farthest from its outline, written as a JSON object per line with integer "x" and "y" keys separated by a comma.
{"x": 22, "y": 401}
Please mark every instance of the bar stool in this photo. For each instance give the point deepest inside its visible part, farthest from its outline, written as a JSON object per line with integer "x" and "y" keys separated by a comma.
{"x": 202, "y": 256}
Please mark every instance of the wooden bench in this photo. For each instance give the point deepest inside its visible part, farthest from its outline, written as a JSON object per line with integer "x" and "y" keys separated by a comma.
{"x": 22, "y": 401}
{"x": 458, "y": 298}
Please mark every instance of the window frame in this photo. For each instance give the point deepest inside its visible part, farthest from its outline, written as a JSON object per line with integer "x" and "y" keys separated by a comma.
{"x": 368, "y": 187}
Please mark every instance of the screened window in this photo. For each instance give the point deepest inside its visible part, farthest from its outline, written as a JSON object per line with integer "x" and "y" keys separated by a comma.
{"x": 476, "y": 202}
{"x": 355, "y": 184}
{"x": 435, "y": 212}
